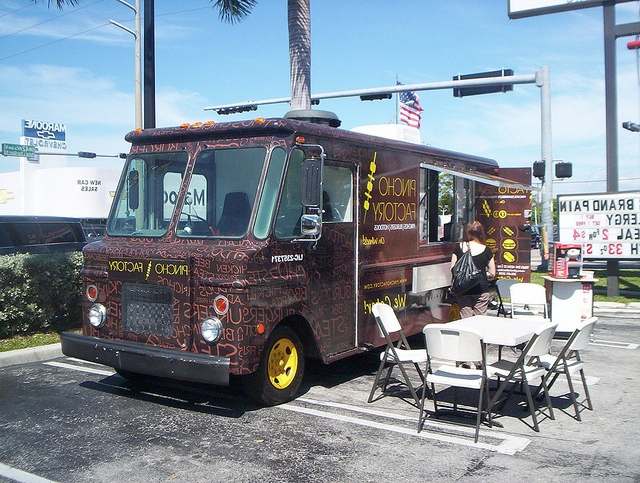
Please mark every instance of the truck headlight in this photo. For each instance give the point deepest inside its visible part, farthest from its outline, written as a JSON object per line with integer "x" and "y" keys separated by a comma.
{"x": 97, "y": 315}
{"x": 211, "y": 330}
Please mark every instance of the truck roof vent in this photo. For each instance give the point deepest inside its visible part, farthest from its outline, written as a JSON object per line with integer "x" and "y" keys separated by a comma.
{"x": 327, "y": 118}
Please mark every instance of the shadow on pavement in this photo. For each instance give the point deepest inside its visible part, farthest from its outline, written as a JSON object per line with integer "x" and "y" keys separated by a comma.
{"x": 218, "y": 401}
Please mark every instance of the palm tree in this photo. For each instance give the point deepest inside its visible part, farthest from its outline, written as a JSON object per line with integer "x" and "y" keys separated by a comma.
{"x": 299, "y": 22}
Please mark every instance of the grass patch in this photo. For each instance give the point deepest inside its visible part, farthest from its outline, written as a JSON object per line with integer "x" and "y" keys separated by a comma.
{"x": 24, "y": 341}
{"x": 629, "y": 280}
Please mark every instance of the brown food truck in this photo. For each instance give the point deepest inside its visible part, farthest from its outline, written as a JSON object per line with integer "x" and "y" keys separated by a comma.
{"x": 245, "y": 248}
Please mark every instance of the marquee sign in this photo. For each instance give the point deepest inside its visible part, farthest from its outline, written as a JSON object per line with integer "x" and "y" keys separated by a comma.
{"x": 530, "y": 8}
{"x": 608, "y": 225}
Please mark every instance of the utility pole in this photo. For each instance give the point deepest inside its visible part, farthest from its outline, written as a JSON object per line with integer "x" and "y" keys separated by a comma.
{"x": 149, "y": 65}
{"x": 611, "y": 118}
{"x": 137, "y": 35}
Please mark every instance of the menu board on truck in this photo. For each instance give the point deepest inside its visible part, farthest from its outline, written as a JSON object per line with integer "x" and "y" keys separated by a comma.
{"x": 607, "y": 224}
{"x": 501, "y": 210}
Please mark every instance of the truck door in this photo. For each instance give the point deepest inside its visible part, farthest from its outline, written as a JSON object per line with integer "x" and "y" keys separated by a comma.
{"x": 334, "y": 259}
{"x": 327, "y": 265}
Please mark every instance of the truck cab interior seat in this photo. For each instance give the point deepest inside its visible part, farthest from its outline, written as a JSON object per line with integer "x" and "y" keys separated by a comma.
{"x": 235, "y": 214}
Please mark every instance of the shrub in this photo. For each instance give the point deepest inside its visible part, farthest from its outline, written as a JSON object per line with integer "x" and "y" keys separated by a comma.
{"x": 39, "y": 292}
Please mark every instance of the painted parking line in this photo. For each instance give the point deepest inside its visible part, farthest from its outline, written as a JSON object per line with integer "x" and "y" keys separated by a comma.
{"x": 614, "y": 344}
{"x": 84, "y": 362}
{"x": 14, "y": 474}
{"x": 509, "y": 444}
{"x": 591, "y": 380}
{"x": 73, "y": 367}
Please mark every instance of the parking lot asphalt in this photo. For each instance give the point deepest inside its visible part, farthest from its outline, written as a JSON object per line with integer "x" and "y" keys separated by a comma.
{"x": 68, "y": 420}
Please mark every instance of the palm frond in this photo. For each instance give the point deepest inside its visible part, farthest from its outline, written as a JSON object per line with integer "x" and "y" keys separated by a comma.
{"x": 60, "y": 3}
{"x": 232, "y": 11}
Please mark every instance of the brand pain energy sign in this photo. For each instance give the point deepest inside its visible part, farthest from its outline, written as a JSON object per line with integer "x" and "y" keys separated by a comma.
{"x": 607, "y": 224}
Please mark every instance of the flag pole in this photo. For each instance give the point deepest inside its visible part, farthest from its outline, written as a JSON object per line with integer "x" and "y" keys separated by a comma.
{"x": 397, "y": 98}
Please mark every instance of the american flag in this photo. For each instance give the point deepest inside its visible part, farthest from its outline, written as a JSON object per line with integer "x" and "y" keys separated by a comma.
{"x": 410, "y": 109}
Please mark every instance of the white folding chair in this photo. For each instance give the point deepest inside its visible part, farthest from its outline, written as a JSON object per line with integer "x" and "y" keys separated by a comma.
{"x": 502, "y": 289}
{"x": 524, "y": 373}
{"x": 569, "y": 362}
{"x": 395, "y": 355}
{"x": 528, "y": 300}
{"x": 454, "y": 345}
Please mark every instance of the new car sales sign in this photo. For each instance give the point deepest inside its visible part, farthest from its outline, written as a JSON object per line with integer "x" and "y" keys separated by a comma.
{"x": 608, "y": 225}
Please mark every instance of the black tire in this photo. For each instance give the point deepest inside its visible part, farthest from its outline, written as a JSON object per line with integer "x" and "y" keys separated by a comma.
{"x": 258, "y": 386}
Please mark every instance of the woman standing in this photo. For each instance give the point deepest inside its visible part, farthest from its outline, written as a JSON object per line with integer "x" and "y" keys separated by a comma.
{"x": 476, "y": 300}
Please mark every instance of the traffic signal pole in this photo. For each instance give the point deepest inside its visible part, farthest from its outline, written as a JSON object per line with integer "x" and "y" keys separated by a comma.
{"x": 542, "y": 81}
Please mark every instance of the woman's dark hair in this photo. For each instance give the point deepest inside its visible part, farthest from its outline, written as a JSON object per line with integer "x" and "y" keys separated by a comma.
{"x": 474, "y": 231}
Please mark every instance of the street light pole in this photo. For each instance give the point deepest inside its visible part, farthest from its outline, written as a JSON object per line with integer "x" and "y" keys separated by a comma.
{"x": 137, "y": 35}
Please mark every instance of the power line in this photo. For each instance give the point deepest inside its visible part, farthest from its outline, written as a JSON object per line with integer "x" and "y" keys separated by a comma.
{"x": 51, "y": 19}
{"x": 593, "y": 180}
{"x": 46, "y": 44}
{"x": 17, "y": 10}
{"x": 175, "y": 12}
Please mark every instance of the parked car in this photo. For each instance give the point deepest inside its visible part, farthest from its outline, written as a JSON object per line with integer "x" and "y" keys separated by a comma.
{"x": 536, "y": 236}
{"x": 40, "y": 234}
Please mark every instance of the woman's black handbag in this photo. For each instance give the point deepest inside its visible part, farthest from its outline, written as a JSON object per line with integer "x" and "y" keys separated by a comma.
{"x": 465, "y": 274}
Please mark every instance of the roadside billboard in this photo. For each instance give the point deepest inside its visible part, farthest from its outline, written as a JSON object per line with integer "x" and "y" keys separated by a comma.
{"x": 530, "y": 8}
{"x": 607, "y": 224}
{"x": 44, "y": 135}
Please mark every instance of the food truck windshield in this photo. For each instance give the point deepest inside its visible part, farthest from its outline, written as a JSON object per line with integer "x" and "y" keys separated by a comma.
{"x": 217, "y": 202}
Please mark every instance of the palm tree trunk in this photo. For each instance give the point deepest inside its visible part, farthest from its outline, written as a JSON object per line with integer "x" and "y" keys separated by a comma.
{"x": 299, "y": 16}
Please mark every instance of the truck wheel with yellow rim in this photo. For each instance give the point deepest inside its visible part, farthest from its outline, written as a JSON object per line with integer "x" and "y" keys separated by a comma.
{"x": 279, "y": 375}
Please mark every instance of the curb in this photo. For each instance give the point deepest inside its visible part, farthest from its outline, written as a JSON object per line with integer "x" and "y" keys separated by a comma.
{"x": 30, "y": 354}
{"x": 620, "y": 314}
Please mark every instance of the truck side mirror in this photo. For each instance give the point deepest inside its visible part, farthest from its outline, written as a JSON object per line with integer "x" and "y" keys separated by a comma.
{"x": 311, "y": 183}
{"x": 310, "y": 225}
{"x": 133, "y": 189}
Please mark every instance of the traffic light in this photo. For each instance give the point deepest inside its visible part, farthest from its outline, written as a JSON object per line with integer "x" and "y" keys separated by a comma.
{"x": 236, "y": 110}
{"x": 474, "y": 91}
{"x": 375, "y": 97}
{"x": 538, "y": 169}
{"x": 631, "y": 126}
{"x": 564, "y": 170}
{"x": 86, "y": 154}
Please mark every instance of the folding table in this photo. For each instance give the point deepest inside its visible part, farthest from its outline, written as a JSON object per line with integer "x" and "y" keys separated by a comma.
{"x": 500, "y": 331}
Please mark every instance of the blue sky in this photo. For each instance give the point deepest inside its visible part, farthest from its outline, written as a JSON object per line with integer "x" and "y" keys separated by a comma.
{"x": 87, "y": 81}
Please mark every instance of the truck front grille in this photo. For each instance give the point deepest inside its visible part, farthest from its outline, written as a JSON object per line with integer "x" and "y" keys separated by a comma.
{"x": 146, "y": 309}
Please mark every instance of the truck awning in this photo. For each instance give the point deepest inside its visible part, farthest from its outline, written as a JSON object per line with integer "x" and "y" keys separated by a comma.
{"x": 485, "y": 178}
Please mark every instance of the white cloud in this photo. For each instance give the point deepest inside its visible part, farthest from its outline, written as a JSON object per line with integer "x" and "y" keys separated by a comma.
{"x": 96, "y": 111}
{"x": 19, "y": 25}
{"x": 86, "y": 25}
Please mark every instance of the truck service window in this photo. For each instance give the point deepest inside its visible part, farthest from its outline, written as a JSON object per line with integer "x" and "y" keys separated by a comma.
{"x": 436, "y": 206}
{"x": 139, "y": 207}
{"x": 221, "y": 193}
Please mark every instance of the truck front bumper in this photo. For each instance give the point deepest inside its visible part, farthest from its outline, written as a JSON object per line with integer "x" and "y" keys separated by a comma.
{"x": 144, "y": 359}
